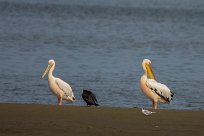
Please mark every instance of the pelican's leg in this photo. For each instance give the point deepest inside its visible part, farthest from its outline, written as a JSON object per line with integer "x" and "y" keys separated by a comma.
{"x": 59, "y": 100}
{"x": 154, "y": 104}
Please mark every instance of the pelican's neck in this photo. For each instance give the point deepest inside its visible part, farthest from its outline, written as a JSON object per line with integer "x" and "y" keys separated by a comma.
{"x": 51, "y": 71}
{"x": 143, "y": 78}
{"x": 145, "y": 70}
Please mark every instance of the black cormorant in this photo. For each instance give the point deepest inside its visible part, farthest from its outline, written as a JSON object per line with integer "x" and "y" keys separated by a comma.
{"x": 89, "y": 98}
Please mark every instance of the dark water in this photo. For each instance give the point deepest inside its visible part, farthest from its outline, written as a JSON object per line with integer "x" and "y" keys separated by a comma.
{"x": 100, "y": 45}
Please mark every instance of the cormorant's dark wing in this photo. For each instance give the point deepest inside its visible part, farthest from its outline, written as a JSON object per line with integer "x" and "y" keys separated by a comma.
{"x": 93, "y": 98}
{"x": 87, "y": 98}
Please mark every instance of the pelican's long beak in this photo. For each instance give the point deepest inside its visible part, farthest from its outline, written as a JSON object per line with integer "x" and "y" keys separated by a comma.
{"x": 46, "y": 70}
{"x": 150, "y": 71}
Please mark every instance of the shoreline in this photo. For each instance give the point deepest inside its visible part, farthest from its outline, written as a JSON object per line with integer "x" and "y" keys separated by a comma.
{"x": 37, "y": 119}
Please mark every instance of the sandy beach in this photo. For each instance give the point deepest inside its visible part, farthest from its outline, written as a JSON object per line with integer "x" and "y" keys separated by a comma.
{"x": 52, "y": 120}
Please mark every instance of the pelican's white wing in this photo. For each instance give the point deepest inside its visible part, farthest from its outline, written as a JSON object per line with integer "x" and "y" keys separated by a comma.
{"x": 64, "y": 87}
{"x": 160, "y": 89}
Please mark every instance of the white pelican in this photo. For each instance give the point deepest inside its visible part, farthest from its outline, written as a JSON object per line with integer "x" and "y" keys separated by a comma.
{"x": 154, "y": 90}
{"x": 59, "y": 88}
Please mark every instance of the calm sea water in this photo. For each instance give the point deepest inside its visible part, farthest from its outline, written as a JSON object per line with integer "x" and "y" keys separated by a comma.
{"x": 100, "y": 45}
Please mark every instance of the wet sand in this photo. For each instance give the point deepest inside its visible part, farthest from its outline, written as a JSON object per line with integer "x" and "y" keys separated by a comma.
{"x": 30, "y": 119}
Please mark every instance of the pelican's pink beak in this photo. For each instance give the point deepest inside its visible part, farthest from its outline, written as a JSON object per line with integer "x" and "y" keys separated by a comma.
{"x": 46, "y": 71}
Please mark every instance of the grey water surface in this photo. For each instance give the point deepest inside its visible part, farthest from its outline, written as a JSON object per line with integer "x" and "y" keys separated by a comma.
{"x": 99, "y": 45}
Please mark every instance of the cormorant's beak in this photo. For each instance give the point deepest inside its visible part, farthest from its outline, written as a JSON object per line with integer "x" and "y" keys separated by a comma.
{"x": 150, "y": 71}
{"x": 46, "y": 70}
